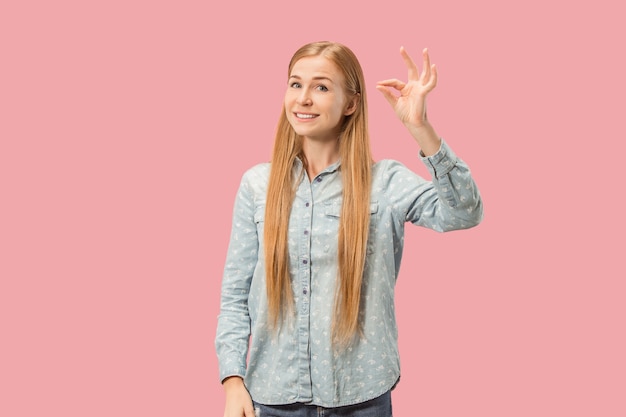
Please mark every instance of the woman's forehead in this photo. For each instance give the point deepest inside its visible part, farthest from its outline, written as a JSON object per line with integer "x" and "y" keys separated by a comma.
{"x": 315, "y": 66}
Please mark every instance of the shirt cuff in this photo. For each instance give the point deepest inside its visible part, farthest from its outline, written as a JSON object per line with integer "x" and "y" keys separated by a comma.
{"x": 441, "y": 162}
{"x": 232, "y": 372}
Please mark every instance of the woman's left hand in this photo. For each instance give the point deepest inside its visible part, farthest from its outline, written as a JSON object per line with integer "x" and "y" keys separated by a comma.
{"x": 410, "y": 105}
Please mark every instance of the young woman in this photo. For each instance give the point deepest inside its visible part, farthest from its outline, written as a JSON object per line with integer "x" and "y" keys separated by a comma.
{"x": 307, "y": 321}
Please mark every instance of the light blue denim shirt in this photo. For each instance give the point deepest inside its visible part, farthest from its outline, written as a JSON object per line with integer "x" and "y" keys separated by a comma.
{"x": 299, "y": 364}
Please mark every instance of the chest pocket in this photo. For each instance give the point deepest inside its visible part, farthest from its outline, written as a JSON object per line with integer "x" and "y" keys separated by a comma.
{"x": 333, "y": 210}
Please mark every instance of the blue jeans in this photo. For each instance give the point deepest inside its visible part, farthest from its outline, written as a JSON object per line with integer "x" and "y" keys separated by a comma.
{"x": 378, "y": 407}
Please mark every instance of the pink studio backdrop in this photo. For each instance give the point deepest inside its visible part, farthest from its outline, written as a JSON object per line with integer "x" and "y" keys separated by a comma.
{"x": 125, "y": 127}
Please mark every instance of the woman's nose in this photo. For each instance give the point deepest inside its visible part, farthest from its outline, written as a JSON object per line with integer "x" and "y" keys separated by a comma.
{"x": 304, "y": 98}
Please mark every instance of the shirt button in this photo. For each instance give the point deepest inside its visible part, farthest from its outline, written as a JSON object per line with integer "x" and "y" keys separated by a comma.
{"x": 319, "y": 179}
{"x": 304, "y": 291}
{"x": 306, "y": 232}
{"x": 305, "y": 262}
{"x": 307, "y": 204}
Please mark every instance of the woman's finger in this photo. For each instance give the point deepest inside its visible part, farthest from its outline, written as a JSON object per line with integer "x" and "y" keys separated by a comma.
{"x": 395, "y": 83}
{"x": 432, "y": 82}
{"x": 391, "y": 98}
{"x": 410, "y": 65}
{"x": 426, "y": 67}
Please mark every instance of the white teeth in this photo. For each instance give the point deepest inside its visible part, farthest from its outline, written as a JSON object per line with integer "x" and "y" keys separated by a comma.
{"x": 305, "y": 116}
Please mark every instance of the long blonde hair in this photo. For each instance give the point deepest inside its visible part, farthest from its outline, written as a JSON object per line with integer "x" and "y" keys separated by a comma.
{"x": 356, "y": 164}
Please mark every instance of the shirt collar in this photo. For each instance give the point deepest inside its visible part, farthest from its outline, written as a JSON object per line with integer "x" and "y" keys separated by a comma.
{"x": 328, "y": 170}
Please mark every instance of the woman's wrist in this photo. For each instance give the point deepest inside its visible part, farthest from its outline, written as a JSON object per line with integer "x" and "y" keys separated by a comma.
{"x": 426, "y": 138}
{"x": 232, "y": 382}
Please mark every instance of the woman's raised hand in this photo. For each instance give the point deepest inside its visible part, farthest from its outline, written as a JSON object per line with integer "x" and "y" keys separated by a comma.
{"x": 410, "y": 104}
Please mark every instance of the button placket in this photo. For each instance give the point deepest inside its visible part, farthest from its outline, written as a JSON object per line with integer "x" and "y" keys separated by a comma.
{"x": 305, "y": 253}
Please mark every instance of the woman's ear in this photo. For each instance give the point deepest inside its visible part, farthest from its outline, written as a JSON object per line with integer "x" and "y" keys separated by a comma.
{"x": 352, "y": 104}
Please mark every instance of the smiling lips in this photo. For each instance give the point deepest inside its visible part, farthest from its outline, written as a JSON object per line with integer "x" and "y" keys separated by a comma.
{"x": 306, "y": 115}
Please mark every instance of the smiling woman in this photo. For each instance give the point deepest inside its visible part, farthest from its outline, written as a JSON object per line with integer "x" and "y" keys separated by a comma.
{"x": 315, "y": 101}
{"x": 317, "y": 239}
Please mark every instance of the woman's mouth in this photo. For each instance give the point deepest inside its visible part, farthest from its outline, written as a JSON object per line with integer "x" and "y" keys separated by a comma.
{"x": 306, "y": 115}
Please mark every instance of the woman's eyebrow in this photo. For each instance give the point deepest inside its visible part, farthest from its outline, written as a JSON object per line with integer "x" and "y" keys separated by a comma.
{"x": 319, "y": 77}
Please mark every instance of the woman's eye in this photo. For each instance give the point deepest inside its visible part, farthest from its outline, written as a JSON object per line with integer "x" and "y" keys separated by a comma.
{"x": 295, "y": 85}
{"x": 322, "y": 88}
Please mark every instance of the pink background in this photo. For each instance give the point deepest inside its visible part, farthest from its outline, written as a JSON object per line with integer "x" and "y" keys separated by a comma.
{"x": 125, "y": 127}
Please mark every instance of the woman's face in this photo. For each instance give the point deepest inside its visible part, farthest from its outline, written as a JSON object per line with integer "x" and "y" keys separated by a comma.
{"x": 315, "y": 100}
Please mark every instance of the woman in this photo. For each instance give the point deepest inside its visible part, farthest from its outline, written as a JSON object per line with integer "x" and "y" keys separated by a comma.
{"x": 316, "y": 244}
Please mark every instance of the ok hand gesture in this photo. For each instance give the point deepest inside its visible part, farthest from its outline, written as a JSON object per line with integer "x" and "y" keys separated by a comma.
{"x": 410, "y": 104}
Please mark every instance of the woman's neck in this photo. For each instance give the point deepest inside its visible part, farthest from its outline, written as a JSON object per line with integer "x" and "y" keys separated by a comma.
{"x": 319, "y": 155}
